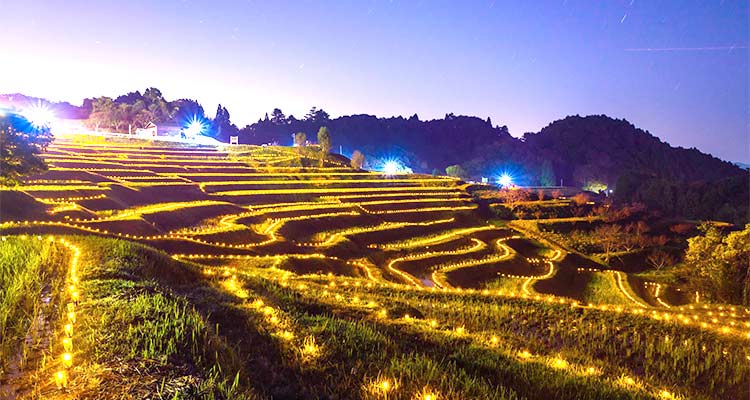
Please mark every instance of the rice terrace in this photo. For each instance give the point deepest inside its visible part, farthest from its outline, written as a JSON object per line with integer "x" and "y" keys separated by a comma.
{"x": 410, "y": 200}
{"x": 144, "y": 269}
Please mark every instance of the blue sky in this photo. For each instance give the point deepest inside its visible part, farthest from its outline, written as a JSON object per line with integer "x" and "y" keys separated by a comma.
{"x": 676, "y": 68}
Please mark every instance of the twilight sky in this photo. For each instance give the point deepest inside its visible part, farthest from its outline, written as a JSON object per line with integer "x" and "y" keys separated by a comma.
{"x": 676, "y": 68}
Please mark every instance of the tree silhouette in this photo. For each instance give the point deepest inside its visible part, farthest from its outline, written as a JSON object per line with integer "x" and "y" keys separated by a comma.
{"x": 324, "y": 140}
{"x": 20, "y": 146}
{"x": 277, "y": 117}
{"x": 358, "y": 160}
{"x": 222, "y": 125}
{"x": 317, "y": 115}
{"x": 300, "y": 139}
{"x": 456, "y": 171}
{"x": 610, "y": 238}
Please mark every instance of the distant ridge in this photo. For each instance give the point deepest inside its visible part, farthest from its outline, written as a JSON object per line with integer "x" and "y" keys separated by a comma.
{"x": 574, "y": 150}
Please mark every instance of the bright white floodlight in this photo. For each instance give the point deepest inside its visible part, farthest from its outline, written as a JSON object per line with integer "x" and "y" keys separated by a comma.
{"x": 391, "y": 167}
{"x": 505, "y": 180}
{"x": 195, "y": 127}
{"x": 39, "y": 115}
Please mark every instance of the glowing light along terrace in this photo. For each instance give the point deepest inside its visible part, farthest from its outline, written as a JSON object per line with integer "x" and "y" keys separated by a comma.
{"x": 363, "y": 232}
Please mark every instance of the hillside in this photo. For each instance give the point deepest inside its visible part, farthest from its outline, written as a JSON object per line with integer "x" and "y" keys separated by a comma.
{"x": 580, "y": 149}
{"x": 276, "y": 276}
{"x": 601, "y": 148}
{"x": 423, "y": 145}
{"x": 593, "y": 152}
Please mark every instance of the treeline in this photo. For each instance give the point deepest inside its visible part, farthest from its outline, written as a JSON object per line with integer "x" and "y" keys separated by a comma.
{"x": 725, "y": 199}
{"x": 135, "y": 110}
{"x": 594, "y": 152}
{"x": 422, "y": 145}
{"x": 588, "y": 151}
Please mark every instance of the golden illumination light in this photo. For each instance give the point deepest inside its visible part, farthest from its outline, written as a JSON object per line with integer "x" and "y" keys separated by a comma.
{"x": 61, "y": 379}
{"x": 67, "y": 360}
{"x": 67, "y": 344}
{"x": 309, "y": 347}
{"x": 68, "y": 329}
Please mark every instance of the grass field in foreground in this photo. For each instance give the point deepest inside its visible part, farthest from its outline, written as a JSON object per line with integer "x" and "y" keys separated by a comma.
{"x": 150, "y": 324}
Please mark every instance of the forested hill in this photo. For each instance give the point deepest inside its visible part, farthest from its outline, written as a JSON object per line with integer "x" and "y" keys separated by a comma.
{"x": 598, "y": 147}
{"x": 423, "y": 145}
{"x": 578, "y": 150}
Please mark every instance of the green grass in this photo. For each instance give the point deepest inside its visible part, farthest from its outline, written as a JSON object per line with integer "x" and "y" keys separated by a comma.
{"x": 136, "y": 318}
{"x": 602, "y": 289}
{"x": 511, "y": 285}
{"x": 391, "y": 347}
{"x": 168, "y": 330}
{"x": 30, "y": 270}
{"x": 666, "y": 275}
{"x": 663, "y": 355}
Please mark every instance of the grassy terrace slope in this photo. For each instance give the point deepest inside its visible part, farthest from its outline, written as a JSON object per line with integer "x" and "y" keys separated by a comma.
{"x": 256, "y": 272}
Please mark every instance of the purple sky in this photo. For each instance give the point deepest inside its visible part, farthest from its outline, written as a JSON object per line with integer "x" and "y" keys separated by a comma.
{"x": 676, "y": 68}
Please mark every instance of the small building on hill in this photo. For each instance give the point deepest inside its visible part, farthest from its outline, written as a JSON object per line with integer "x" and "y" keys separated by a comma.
{"x": 160, "y": 130}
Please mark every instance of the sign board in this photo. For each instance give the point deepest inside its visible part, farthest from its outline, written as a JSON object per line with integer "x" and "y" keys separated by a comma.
{"x": 484, "y": 179}
{"x": 234, "y": 140}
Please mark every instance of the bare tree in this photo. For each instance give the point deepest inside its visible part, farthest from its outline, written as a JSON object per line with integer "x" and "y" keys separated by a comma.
{"x": 512, "y": 197}
{"x": 610, "y": 238}
{"x": 579, "y": 201}
{"x": 660, "y": 258}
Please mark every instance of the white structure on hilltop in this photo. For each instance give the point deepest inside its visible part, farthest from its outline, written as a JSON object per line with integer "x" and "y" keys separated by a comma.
{"x": 161, "y": 130}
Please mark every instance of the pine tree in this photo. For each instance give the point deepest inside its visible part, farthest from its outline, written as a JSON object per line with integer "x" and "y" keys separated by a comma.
{"x": 324, "y": 140}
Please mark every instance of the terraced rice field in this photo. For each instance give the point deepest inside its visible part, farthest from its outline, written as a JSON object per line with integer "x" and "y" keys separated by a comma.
{"x": 254, "y": 272}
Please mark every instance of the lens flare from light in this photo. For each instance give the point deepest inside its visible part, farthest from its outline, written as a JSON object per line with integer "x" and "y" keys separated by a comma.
{"x": 393, "y": 167}
{"x": 39, "y": 115}
{"x": 505, "y": 180}
{"x": 195, "y": 127}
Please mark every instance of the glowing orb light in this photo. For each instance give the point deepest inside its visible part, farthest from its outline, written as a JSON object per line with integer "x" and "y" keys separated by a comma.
{"x": 61, "y": 379}
{"x": 39, "y": 115}
{"x": 505, "y": 180}
{"x": 195, "y": 127}
{"x": 393, "y": 167}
